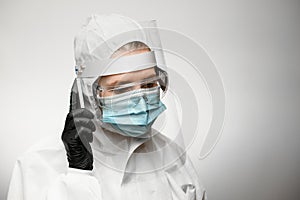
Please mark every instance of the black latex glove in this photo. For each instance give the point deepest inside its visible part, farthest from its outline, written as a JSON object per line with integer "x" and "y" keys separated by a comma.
{"x": 78, "y": 133}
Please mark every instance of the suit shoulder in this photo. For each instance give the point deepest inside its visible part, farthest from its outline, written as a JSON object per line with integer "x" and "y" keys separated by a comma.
{"x": 47, "y": 153}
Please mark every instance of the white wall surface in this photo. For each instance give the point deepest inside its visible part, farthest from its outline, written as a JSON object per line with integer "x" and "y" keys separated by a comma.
{"x": 255, "y": 45}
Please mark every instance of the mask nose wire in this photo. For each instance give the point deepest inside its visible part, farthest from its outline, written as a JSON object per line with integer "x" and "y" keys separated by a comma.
{"x": 145, "y": 97}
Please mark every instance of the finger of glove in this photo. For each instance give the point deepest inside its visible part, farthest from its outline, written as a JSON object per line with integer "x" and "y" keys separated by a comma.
{"x": 84, "y": 122}
{"x": 86, "y": 143}
{"x": 85, "y": 134}
{"x": 82, "y": 113}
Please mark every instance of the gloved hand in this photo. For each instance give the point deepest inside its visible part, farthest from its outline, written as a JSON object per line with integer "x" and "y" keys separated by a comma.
{"x": 78, "y": 133}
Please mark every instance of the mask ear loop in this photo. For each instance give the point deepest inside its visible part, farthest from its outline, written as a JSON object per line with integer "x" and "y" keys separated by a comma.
{"x": 163, "y": 84}
{"x": 98, "y": 106}
{"x": 95, "y": 93}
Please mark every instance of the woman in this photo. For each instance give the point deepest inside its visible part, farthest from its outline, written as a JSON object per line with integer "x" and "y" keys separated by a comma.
{"x": 112, "y": 150}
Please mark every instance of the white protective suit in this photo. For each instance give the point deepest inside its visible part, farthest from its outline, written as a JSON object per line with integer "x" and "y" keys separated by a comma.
{"x": 155, "y": 167}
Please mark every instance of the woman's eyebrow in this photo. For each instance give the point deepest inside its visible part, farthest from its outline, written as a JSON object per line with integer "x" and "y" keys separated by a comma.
{"x": 121, "y": 81}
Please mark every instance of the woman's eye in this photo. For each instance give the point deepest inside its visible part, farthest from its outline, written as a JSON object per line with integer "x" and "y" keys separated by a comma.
{"x": 149, "y": 85}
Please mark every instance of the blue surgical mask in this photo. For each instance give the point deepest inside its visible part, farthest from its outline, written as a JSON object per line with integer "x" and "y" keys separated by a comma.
{"x": 134, "y": 112}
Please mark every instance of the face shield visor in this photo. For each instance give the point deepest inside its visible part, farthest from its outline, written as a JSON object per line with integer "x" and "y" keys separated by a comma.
{"x": 160, "y": 117}
{"x": 195, "y": 98}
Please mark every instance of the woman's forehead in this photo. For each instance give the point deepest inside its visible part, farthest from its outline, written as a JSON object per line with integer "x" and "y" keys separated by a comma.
{"x": 124, "y": 78}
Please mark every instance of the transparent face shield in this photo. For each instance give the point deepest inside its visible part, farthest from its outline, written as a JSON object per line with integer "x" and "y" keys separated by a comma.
{"x": 152, "y": 150}
{"x": 174, "y": 130}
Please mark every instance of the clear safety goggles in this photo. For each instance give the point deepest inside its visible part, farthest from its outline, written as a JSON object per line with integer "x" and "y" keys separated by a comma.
{"x": 158, "y": 80}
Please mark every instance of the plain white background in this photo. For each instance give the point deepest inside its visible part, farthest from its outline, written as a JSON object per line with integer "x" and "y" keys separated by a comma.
{"x": 255, "y": 45}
